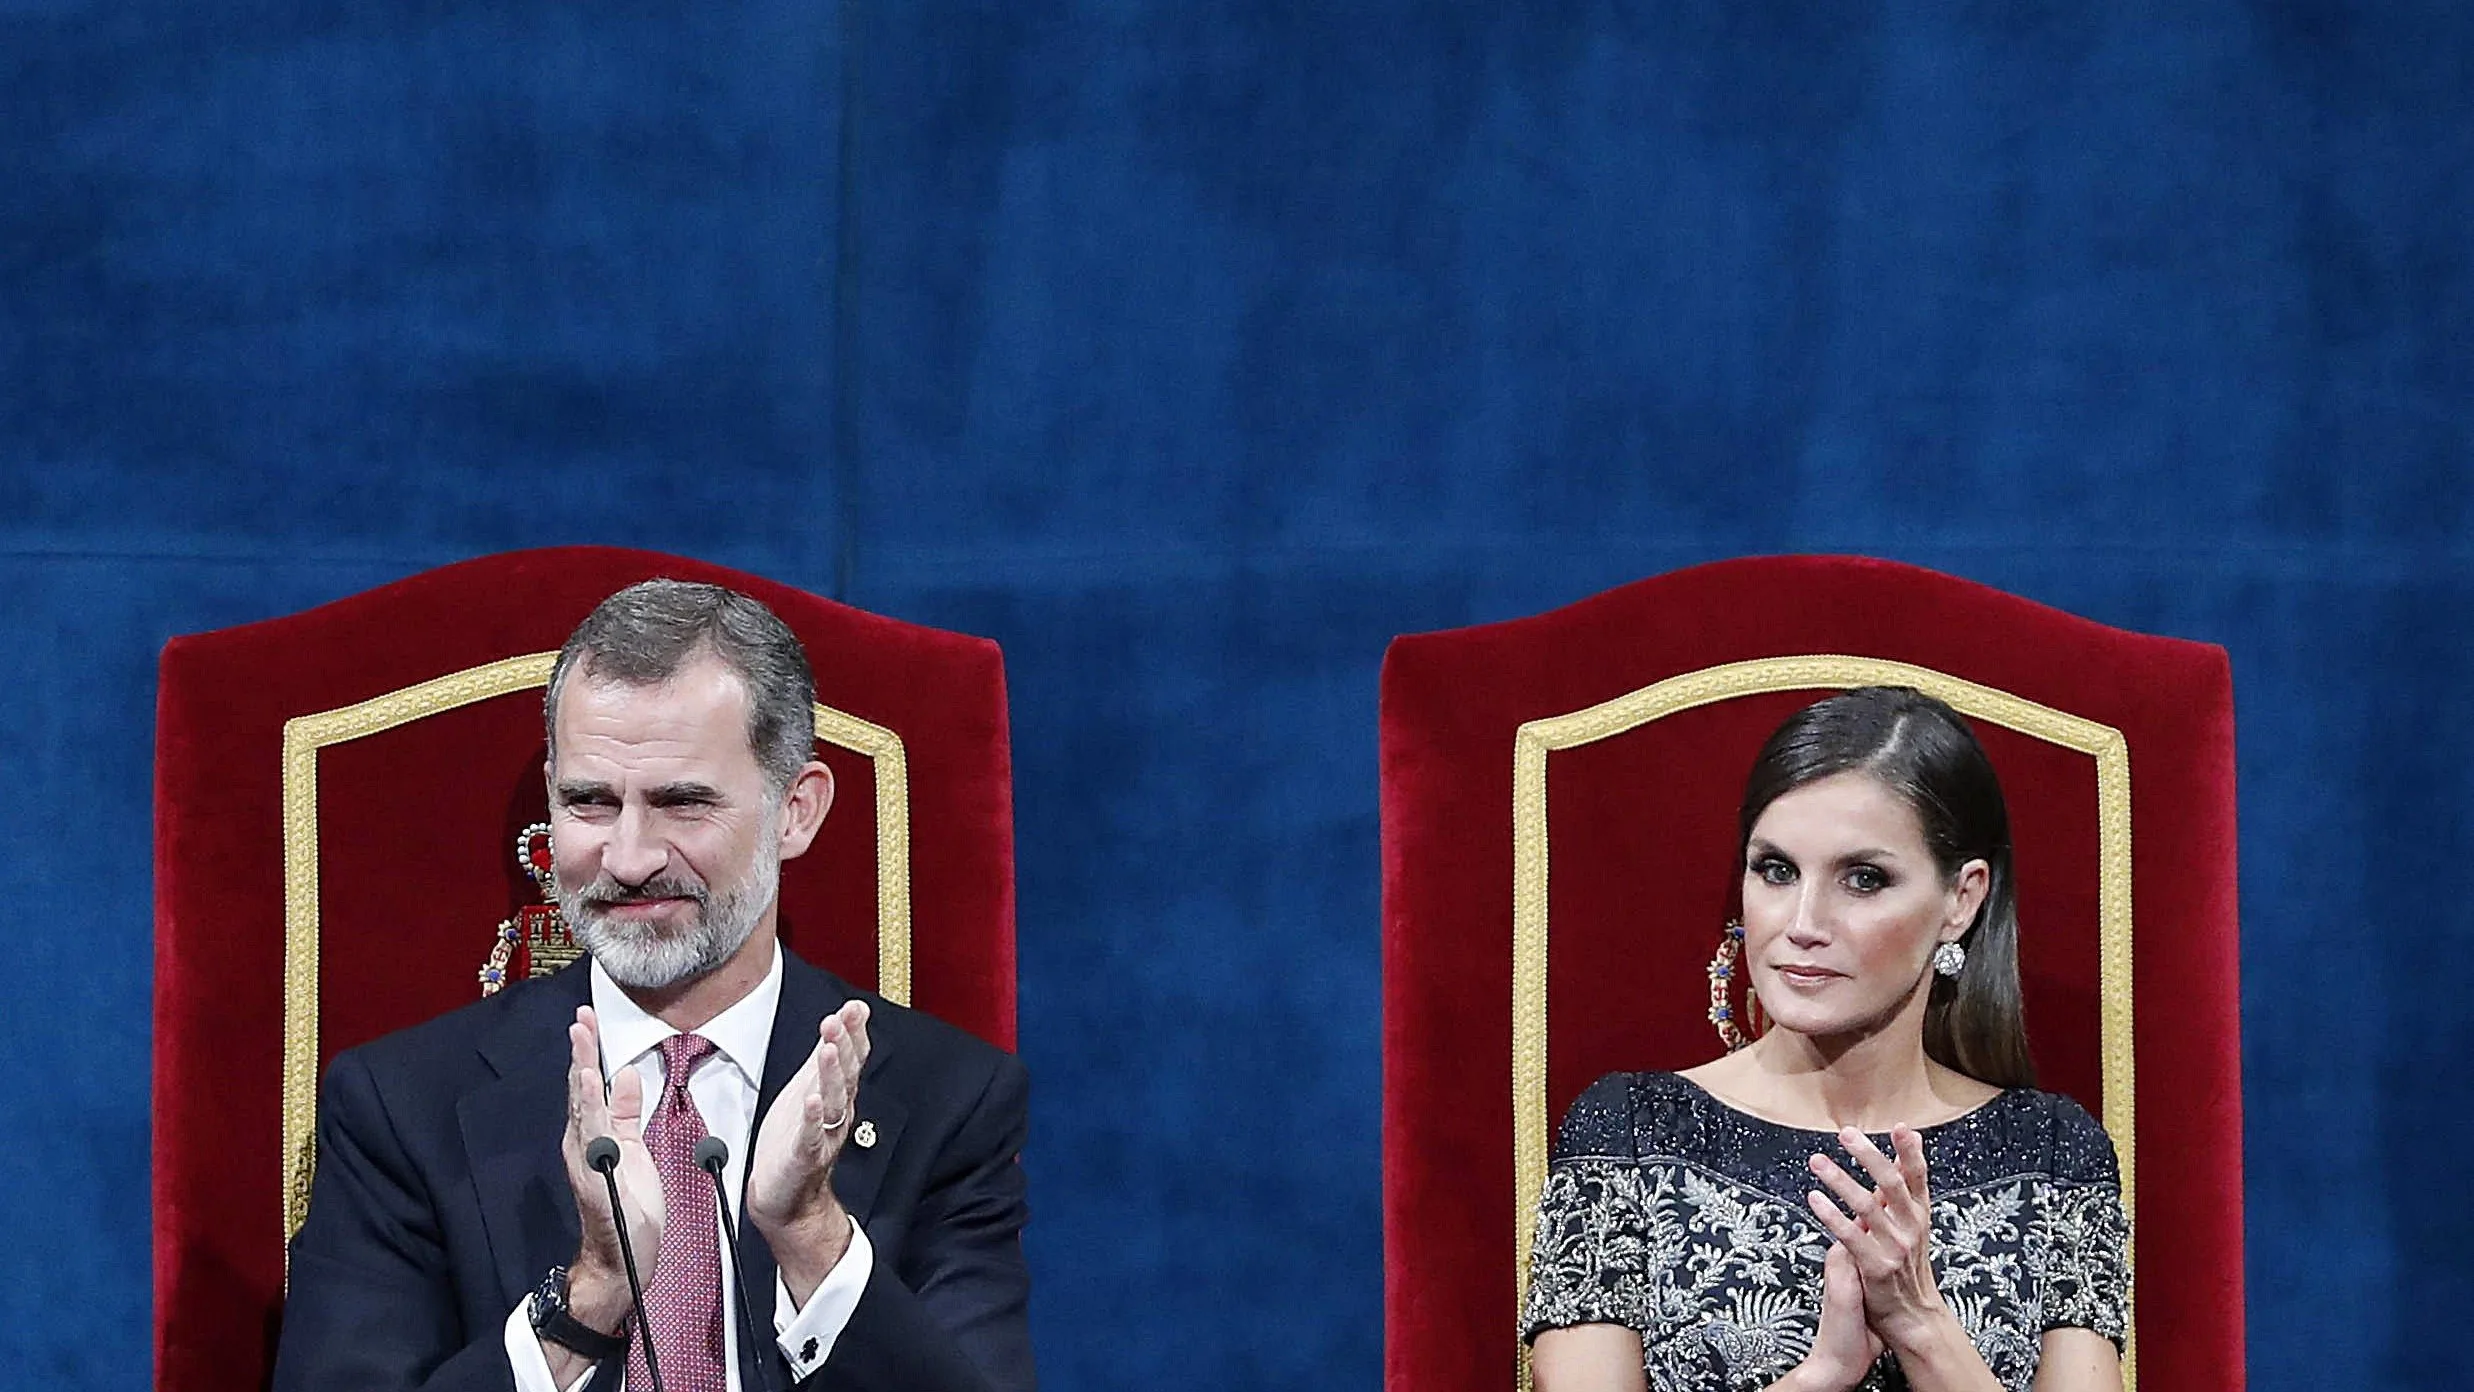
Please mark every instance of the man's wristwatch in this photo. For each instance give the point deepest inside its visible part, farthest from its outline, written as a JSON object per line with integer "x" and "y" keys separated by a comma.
{"x": 553, "y": 1321}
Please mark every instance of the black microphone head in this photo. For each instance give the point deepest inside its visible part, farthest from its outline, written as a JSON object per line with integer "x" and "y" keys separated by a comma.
{"x": 601, "y": 1153}
{"x": 712, "y": 1153}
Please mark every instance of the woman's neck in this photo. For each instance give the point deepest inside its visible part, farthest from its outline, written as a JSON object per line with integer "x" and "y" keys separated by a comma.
{"x": 1872, "y": 1082}
{"x": 1870, "y": 1079}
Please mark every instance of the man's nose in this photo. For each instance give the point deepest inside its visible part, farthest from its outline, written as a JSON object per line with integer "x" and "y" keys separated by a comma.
{"x": 635, "y": 854}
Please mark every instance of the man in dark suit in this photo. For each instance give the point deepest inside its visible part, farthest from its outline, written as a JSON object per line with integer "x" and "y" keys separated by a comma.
{"x": 456, "y": 1235}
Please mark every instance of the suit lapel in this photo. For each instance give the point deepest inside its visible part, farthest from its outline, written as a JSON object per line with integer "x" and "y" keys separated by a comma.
{"x": 512, "y": 1127}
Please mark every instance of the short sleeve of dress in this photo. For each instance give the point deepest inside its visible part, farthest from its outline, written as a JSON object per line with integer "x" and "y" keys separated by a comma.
{"x": 2082, "y": 1239}
{"x": 1588, "y": 1264}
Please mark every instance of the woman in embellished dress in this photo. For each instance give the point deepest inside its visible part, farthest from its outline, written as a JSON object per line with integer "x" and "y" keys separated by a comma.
{"x": 1872, "y": 1195}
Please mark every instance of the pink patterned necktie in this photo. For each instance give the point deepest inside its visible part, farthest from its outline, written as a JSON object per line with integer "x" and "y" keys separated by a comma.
{"x": 683, "y": 1300}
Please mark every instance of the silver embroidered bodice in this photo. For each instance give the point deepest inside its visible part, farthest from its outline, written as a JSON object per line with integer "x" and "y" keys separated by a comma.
{"x": 1667, "y": 1211}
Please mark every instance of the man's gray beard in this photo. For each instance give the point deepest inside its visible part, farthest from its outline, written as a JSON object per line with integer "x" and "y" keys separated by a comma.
{"x": 641, "y": 957}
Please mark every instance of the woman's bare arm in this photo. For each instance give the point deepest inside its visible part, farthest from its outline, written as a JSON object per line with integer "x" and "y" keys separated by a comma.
{"x": 2078, "y": 1360}
{"x": 1588, "y": 1358}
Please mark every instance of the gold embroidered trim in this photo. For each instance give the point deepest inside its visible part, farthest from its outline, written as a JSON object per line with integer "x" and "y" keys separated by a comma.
{"x": 304, "y": 736}
{"x": 893, "y": 841}
{"x": 1537, "y": 738}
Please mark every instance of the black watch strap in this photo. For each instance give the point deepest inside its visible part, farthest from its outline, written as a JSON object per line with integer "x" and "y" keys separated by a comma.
{"x": 552, "y": 1320}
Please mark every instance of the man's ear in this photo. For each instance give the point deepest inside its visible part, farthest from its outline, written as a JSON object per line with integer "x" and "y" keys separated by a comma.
{"x": 804, "y": 805}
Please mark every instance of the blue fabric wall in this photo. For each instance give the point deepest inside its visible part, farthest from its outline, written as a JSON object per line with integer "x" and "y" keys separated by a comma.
{"x": 1193, "y": 349}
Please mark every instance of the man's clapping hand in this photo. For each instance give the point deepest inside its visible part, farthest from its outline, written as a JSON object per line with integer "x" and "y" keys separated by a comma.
{"x": 790, "y": 1197}
{"x": 597, "y": 1293}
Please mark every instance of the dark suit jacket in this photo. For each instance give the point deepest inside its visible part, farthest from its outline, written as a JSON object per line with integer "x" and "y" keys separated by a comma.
{"x": 440, "y": 1200}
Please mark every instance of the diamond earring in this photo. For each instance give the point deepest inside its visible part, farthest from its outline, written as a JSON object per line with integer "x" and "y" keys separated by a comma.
{"x": 1949, "y": 959}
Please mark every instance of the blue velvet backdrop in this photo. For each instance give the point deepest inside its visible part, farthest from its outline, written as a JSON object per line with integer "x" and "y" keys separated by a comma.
{"x": 1193, "y": 349}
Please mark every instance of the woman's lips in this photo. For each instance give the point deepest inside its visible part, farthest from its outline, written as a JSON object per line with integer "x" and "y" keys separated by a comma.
{"x": 1807, "y": 975}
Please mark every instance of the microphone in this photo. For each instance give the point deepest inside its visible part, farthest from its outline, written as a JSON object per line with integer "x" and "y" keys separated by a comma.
{"x": 602, "y": 1153}
{"x": 712, "y": 1156}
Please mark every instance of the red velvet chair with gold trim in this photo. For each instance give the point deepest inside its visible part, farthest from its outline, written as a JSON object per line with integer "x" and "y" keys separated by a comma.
{"x": 340, "y": 802}
{"x": 1618, "y": 731}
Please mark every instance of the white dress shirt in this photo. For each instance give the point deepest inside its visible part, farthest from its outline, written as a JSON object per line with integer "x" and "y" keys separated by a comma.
{"x": 724, "y": 1091}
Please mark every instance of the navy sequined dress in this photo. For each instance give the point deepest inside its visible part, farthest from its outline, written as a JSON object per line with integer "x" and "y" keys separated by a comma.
{"x": 1674, "y": 1214}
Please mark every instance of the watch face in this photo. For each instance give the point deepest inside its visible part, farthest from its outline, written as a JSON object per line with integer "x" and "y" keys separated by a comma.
{"x": 549, "y": 1298}
{"x": 552, "y": 1321}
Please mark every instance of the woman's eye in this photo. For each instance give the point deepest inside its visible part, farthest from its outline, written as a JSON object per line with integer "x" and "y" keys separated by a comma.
{"x": 1774, "y": 871}
{"x": 1864, "y": 879}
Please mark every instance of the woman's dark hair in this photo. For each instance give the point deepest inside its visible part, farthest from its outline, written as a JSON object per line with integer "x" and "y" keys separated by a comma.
{"x": 1919, "y": 749}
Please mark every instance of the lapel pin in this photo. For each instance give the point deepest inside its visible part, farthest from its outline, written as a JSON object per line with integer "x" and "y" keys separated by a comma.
{"x": 865, "y": 1136}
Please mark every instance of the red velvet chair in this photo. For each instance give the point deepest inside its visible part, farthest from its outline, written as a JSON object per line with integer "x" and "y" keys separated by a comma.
{"x": 339, "y": 798}
{"x": 1646, "y": 706}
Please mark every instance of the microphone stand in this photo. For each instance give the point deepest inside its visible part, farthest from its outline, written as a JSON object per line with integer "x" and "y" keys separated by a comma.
{"x": 602, "y": 1154}
{"x": 712, "y": 1155}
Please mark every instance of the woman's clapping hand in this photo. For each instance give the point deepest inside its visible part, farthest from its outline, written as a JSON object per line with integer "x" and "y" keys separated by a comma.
{"x": 1886, "y": 1230}
{"x": 1845, "y": 1348}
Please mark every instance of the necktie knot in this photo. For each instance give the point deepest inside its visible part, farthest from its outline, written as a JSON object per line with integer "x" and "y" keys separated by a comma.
{"x": 680, "y": 1055}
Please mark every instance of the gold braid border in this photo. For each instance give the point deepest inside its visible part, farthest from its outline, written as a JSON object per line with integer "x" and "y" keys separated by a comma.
{"x": 1819, "y": 671}
{"x": 304, "y": 736}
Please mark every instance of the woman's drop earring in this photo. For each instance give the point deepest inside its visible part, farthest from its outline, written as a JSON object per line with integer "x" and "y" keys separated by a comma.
{"x": 1722, "y": 972}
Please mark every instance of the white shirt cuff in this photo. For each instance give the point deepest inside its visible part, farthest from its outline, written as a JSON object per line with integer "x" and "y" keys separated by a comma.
{"x": 806, "y": 1333}
{"x": 532, "y": 1366}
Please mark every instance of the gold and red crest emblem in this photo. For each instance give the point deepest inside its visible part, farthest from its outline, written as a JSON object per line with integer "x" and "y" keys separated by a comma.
{"x": 538, "y": 930}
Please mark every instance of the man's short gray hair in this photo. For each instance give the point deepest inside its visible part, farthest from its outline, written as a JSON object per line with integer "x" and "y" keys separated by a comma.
{"x": 642, "y": 635}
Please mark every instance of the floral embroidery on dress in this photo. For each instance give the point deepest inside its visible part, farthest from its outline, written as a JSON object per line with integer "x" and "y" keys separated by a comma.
{"x": 1670, "y": 1213}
